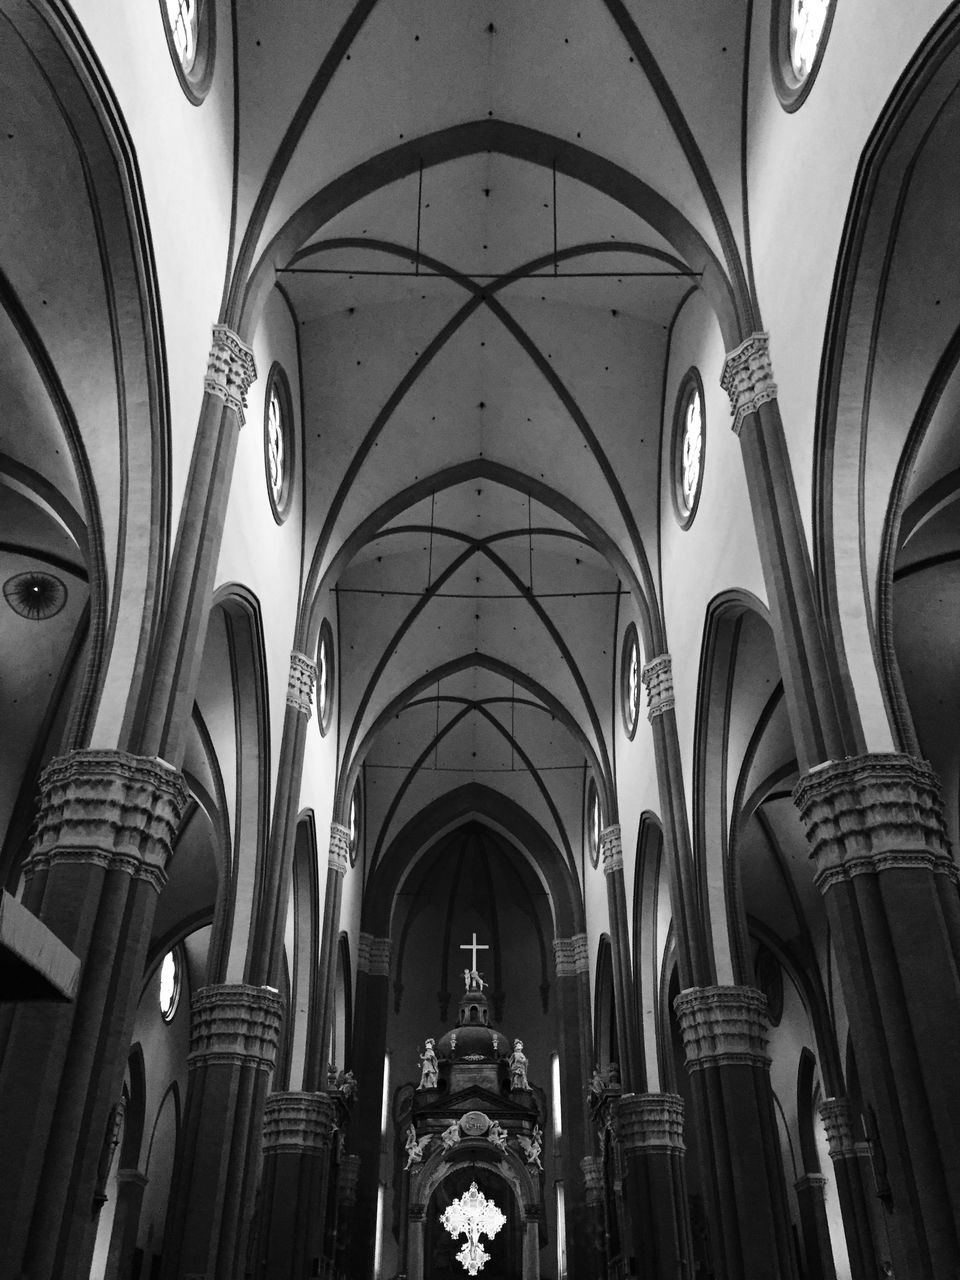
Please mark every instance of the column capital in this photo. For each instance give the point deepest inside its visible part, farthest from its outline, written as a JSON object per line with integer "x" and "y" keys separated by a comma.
{"x": 611, "y": 849}
{"x": 416, "y": 1212}
{"x": 132, "y": 1177}
{"x": 338, "y": 858}
{"x": 872, "y": 813}
{"x": 650, "y": 1122}
{"x": 348, "y": 1180}
{"x": 657, "y": 676}
{"x": 301, "y": 682}
{"x": 299, "y": 1122}
{"x": 108, "y": 809}
{"x": 235, "y": 1024}
{"x": 810, "y": 1182}
{"x": 571, "y": 955}
{"x": 747, "y": 377}
{"x": 231, "y": 370}
{"x": 592, "y": 1169}
{"x": 838, "y": 1120}
{"x": 723, "y": 1026}
{"x": 373, "y": 955}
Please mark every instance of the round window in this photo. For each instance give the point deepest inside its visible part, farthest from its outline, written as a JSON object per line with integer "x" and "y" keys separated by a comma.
{"x": 798, "y": 38}
{"x": 278, "y": 443}
{"x": 190, "y": 27}
{"x": 630, "y": 680}
{"x": 689, "y": 442}
{"x": 169, "y": 995}
{"x": 35, "y": 595}
{"x": 594, "y": 822}
{"x": 355, "y": 823}
{"x": 325, "y": 677}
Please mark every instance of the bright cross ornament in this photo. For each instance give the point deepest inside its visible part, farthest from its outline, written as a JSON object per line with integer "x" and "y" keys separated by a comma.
{"x": 475, "y": 1216}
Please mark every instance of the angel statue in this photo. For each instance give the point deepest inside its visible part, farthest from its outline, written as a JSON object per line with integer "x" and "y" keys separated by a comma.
{"x": 518, "y": 1067}
{"x": 531, "y": 1147}
{"x": 429, "y": 1071}
{"x": 451, "y": 1135}
{"x": 415, "y": 1146}
{"x": 497, "y": 1135}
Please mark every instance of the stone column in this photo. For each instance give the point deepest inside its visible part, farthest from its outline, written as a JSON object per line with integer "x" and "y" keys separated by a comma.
{"x": 369, "y": 1047}
{"x": 234, "y": 1035}
{"x": 592, "y": 1169}
{"x": 813, "y": 1226}
{"x": 812, "y": 688}
{"x": 298, "y": 1131}
{"x": 572, "y": 966}
{"x": 650, "y": 1133}
{"x": 889, "y": 885}
{"x": 531, "y": 1242}
{"x": 415, "y": 1245}
{"x": 725, "y": 1038}
{"x": 131, "y": 1184}
{"x": 106, "y": 824}
{"x": 692, "y": 952}
{"x": 171, "y": 688}
{"x": 855, "y": 1189}
{"x": 338, "y": 859}
{"x": 347, "y": 1178}
{"x": 631, "y": 1056}
{"x": 266, "y": 950}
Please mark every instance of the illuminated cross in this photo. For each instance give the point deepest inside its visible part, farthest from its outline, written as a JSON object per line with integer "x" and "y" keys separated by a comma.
{"x": 472, "y": 1215}
{"x": 473, "y": 947}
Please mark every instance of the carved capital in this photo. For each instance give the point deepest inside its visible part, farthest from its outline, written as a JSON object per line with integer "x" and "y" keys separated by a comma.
{"x": 347, "y": 1181}
{"x": 373, "y": 955}
{"x": 657, "y": 676}
{"x": 108, "y": 809}
{"x": 723, "y": 1026}
{"x": 299, "y": 1122}
{"x": 230, "y": 370}
{"x": 611, "y": 849}
{"x": 650, "y": 1122}
{"x": 592, "y": 1169}
{"x": 873, "y": 813}
{"x": 301, "y": 682}
{"x": 838, "y": 1120}
{"x": 339, "y": 857}
{"x": 747, "y": 378}
{"x": 811, "y": 1182}
{"x": 235, "y": 1024}
{"x": 571, "y": 955}
{"x": 416, "y": 1212}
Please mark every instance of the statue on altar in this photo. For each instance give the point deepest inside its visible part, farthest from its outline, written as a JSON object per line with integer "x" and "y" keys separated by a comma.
{"x": 415, "y": 1146}
{"x": 429, "y": 1068}
{"x": 472, "y": 981}
{"x": 451, "y": 1135}
{"x": 532, "y": 1147}
{"x": 518, "y": 1067}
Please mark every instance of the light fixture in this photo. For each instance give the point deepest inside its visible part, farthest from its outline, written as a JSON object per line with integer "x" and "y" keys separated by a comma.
{"x": 472, "y": 1215}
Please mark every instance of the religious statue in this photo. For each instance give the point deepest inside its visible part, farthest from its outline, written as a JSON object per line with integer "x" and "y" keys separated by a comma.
{"x": 531, "y": 1147}
{"x": 451, "y": 1135}
{"x": 472, "y": 981}
{"x": 429, "y": 1070}
{"x": 347, "y": 1087}
{"x": 497, "y": 1135}
{"x": 518, "y": 1067}
{"x": 597, "y": 1089}
{"x": 415, "y": 1146}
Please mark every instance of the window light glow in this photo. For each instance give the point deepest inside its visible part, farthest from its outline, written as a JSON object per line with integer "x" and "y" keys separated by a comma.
{"x": 555, "y": 1089}
{"x": 386, "y": 1095}
{"x": 561, "y": 1234}
{"x": 182, "y": 16}
{"x": 378, "y": 1247}
{"x": 807, "y": 20}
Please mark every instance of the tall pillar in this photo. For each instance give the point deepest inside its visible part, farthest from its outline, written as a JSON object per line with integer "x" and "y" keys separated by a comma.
{"x": 234, "y": 1035}
{"x": 369, "y": 1047}
{"x": 106, "y": 824}
{"x": 725, "y": 1038}
{"x": 650, "y": 1133}
{"x": 131, "y": 1184}
{"x": 338, "y": 859}
{"x": 298, "y": 1131}
{"x": 631, "y": 1057}
{"x": 531, "y": 1242}
{"x": 809, "y": 1188}
{"x": 415, "y": 1243}
{"x": 692, "y": 953}
{"x": 855, "y": 1189}
{"x": 170, "y": 690}
{"x": 889, "y": 885}
{"x": 572, "y": 966}
{"x": 348, "y": 1177}
{"x": 592, "y": 1169}
{"x": 819, "y": 720}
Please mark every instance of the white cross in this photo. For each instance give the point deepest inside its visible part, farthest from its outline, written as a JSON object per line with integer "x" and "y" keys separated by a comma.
{"x": 474, "y": 947}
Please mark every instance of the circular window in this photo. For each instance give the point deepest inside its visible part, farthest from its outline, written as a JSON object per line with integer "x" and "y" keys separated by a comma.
{"x": 35, "y": 595}
{"x": 278, "y": 443}
{"x": 355, "y": 823}
{"x": 798, "y": 38}
{"x": 594, "y": 823}
{"x": 630, "y": 680}
{"x": 325, "y": 677}
{"x": 190, "y": 28}
{"x": 169, "y": 996}
{"x": 689, "y": 442}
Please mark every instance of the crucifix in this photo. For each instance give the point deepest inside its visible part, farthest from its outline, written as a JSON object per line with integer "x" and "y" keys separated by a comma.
{"x": 471, "y": 977}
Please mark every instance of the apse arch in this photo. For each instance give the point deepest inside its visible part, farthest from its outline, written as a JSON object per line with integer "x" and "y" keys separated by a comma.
{"x": 473, "y": 800}
{"x": 600, "y": 765}
{"x": 247, "y": 296}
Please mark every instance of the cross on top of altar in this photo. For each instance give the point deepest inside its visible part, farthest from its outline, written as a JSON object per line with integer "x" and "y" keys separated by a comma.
{"x": 473, "y": 947}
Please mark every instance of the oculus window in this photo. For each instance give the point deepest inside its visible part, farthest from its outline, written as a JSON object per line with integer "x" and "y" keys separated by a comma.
{"x": 278, "y": 443}
{"x": 189, "y": 28}
{"x": 630, "y": 680}
{"x": 325, "y": 677}
{"x": 798, "y": 38}
{"x": 35, "y": 595}
{"x": 689, "y": 442}
{"x": 355, "y": 823}
{"x": 594, "y": 822}
{"x": 170, "y": 982}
